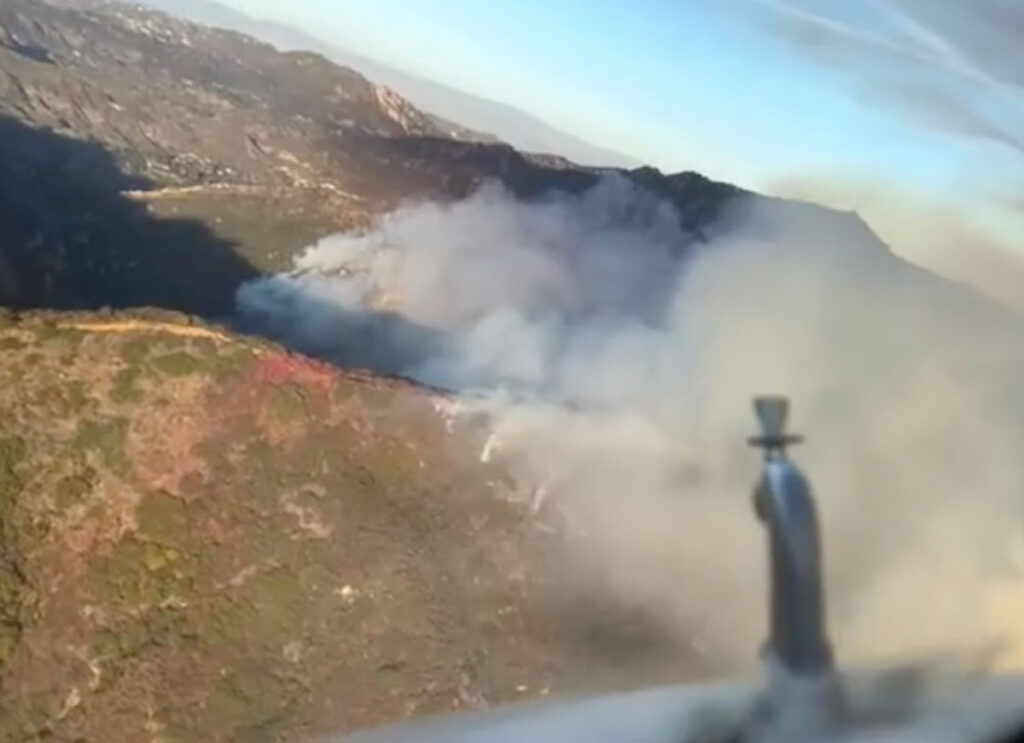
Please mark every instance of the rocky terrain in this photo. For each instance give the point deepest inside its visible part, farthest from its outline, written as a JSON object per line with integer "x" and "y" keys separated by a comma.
{"x": 123, "y": 128}
{"x": 505, "y": 122}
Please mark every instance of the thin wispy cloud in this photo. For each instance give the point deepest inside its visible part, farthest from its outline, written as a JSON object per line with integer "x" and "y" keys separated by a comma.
{"x": 813, "y": 28}
{"x": 931, "y": 45}
{"x": 944, "y": 65}
{"x": 937, "y": 107}
{"x": 948, "y": 53}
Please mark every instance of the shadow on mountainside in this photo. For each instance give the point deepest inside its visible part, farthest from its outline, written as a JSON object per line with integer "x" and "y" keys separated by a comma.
{"x": 71, "y": 239}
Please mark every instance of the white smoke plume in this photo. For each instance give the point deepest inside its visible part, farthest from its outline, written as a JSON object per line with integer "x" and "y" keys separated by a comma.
{"x": 615, "y": 359}
{"x": 937, "y": 235}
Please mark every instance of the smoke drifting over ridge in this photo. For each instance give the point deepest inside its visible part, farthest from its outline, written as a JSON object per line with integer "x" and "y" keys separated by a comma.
{"x": 936, "y": 236}
{"x": 615, "y": 360}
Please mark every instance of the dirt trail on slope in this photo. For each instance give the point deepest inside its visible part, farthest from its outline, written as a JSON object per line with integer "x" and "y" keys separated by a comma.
{"x": 239, "y": 189}
{"x": 144, "y": 326}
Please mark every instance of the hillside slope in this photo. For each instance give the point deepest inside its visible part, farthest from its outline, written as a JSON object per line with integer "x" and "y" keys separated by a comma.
{"x": 205, "y": 538}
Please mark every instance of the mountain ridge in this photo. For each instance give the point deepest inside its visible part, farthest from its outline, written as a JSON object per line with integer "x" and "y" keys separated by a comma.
{"x": 503, "y": 121}
{"x": 264, "y": 152}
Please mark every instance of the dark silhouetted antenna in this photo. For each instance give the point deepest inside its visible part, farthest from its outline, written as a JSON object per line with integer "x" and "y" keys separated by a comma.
{"x": 783, "y": 501}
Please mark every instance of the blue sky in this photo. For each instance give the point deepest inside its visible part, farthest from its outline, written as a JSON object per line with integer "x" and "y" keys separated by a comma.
{"x": 907, "y": 92}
